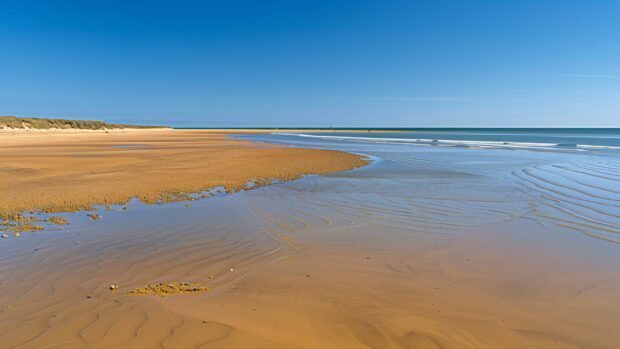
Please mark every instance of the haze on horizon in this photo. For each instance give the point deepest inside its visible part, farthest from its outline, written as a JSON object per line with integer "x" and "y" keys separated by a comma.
{"x": 314, "y": 63}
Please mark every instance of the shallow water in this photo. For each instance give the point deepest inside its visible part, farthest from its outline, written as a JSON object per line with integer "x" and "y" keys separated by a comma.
{"x": 575, "y": 188}
{"x": 428, "y": 247}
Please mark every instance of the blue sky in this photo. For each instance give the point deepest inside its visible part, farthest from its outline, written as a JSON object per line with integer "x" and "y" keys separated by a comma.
{"x": 314, "y": 63}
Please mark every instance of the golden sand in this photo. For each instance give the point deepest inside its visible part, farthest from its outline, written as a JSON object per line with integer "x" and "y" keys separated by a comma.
{"x": 72, "y": 171}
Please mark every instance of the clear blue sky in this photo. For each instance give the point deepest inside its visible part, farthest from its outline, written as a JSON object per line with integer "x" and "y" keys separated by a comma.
{"x": 314, "y": 63}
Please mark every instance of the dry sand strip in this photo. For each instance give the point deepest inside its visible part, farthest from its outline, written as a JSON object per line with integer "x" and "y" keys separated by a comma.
{"x": 72, "y": 170}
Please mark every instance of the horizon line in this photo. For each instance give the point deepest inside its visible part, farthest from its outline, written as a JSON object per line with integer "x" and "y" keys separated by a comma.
{"x": 386, "y": 128}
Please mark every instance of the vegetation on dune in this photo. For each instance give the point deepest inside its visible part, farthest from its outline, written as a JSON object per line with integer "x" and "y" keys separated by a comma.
{"x": 45, "y": 124}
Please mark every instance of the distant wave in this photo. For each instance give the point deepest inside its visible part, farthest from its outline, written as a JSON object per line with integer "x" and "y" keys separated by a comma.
{"x": 460, "y": 143}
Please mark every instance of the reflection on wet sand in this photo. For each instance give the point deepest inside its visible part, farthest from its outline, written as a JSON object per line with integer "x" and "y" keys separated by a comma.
{"x": 426, "y": 248}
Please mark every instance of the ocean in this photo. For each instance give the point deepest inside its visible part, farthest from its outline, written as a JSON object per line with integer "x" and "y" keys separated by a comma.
{"x": 580, "y": 138}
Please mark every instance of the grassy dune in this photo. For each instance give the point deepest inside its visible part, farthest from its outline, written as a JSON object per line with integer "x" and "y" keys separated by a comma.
{"x": 14, "y": 122}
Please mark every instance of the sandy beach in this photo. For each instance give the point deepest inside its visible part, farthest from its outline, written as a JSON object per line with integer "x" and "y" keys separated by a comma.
{"x": 426, "y": 247}
{"x": 69, "y": 170}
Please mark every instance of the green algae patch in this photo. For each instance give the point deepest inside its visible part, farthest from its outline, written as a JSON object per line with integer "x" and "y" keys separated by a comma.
{"x": 93, "y": 216}
{"x": 58, "y": 220}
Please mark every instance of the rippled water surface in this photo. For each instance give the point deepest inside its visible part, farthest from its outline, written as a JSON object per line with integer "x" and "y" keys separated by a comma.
{"x": 575, "y": 188}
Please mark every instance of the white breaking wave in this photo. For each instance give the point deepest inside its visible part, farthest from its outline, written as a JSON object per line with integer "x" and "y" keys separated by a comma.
{"x": 452, "y": 142}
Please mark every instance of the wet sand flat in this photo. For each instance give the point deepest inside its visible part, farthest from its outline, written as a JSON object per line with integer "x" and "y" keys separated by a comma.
{"x": 425, "y": 248}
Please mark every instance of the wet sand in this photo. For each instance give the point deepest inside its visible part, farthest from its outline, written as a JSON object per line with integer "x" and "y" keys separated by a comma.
{"x": 425, "y": 248}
